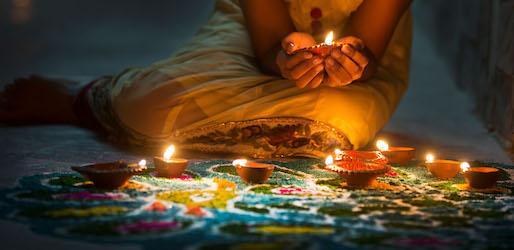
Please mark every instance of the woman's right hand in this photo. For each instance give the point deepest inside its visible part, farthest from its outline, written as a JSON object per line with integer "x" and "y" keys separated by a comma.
{"x": 304, "y": 68}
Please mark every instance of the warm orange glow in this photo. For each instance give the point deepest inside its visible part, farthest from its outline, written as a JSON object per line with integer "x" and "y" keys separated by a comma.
{"x": 142, "y": 163}
{"x": 169, "y": 152}
{"x": 339, "y": 154}
{"x": 329, "y": 160}
{"x": 430, "y": 158}
{"x": 330, "y": 37}
{"x": 382, "y": 145}
{"x": 240, "y": 162}
{"x": 465, "y": 166}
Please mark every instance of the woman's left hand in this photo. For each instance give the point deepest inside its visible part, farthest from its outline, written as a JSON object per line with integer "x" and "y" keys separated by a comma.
{"x": 345, "y": 65}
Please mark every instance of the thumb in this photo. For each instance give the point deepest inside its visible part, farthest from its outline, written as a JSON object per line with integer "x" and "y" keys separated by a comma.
{"x": 357, "y": 43}
{"x": 289, "y": 47}
{"x": 290, "y": 43}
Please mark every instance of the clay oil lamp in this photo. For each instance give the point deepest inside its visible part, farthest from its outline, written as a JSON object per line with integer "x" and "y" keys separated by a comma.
{"x": 442, "y": 169}
{"x": 398, "y": 155}
{"x": 322, "y": 49}
{"x": 170, "y": 167}
{"x": 353, "y": 155}
{"x": 480, "y": 177}
{"x": 110, "y": 175}
{"x": 357, "y": 173}
{"x": 253, "y": 172}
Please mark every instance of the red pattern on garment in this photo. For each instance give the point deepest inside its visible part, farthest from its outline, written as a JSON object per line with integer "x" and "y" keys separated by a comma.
{"x": 316, "y": 13}
{"x": 316, "y": 25}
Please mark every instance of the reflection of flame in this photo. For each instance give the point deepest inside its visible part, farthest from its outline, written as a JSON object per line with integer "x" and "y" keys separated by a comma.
{"x": 430, "y": 158}
{"x": 142, "y": 163}
{"x": 382, "y": 145}
{"x": 330, "y": 37}
{"x": 169, "y": 152}
{"x": 334, "y": 168}
{"x": 465, "y": 166}
{"x": 240, "y": 162}
{"x": 329, "y": 160}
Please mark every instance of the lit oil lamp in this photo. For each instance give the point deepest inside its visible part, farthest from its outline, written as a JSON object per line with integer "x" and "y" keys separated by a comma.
{"x": 353, "y": 155}
{"x": 480, "y": 177}
{"x": 442, "y": 169}
{"x": 253, "y": 172}
{"x": 398, "y": 155}
{"x": 357, "y": 173}
{"x": 110, "y": 175}
{"x": 323, "y": 49}
{"x": 170, "y": 167}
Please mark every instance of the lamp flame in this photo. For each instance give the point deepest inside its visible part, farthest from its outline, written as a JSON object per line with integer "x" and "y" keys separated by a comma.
{"x": 329, "y": 38}
{"x": 169, "y": 152}
{"x": 329, "y": 160}
{"x": 465, "y": 166}
{"x": 339, "y": 154}
{"x": 240, "y": 162}
{"x": 430, "y": 158}
{"x": 142, "y": 163}
{"x": 382, "y": 145}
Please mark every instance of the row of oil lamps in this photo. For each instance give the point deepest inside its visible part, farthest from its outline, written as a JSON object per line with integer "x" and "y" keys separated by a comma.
{"x": 358, "y": 168}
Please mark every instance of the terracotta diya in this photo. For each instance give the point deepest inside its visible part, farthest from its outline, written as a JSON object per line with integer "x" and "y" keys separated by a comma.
{"x": 322, "y": 49}
{"x": 357, "y": 173}
{"x": 480, "y": 177}
{"x": 353, "y": 155}
{"x": 442, "y": 169}
{"x": 110, "y": 175}
{"x": 253, "y": 172}
{"x": 170, "y": 167}
{"x": 397, "y": 155}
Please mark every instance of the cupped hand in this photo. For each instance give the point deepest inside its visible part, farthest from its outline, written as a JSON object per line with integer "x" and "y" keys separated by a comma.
{"x": 304, "y": 68}
{"x": 347, "y": 64}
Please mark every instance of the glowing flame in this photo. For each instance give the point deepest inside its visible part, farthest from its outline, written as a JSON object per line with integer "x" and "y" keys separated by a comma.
{"x": 339, "y": 154}
{"x": 382, "y": 145}
{"x": 329, "y": 160}
{"x": 169, "y": 152}
{"x": 430, "y": 158}
{"x": 240, "y": 162}
{"x": 330, "y": 37}
{"x": 142, "y": 163}
{"x": 465, "y": 166}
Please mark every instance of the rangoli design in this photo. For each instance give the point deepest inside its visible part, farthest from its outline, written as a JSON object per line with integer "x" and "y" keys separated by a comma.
{"x": 302, "y": 206}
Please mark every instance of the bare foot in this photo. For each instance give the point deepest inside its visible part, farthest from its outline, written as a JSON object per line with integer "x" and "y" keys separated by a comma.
{"x": 38, "y": 99}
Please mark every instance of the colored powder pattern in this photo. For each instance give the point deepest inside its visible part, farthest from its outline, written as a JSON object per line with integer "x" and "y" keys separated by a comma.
{"x": 415, "y": 208}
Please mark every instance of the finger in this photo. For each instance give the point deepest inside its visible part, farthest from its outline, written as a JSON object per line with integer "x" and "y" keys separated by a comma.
{"x": 330, "y": 78}
{"x": 317, "y": 80}
{"x": 302, "y": 68}
{"x": 357, "y": 43}
{"x": 289, "y": 47}
{"x": 288, "y": 43}
{"x": 355, "y": 55}
{"x": 297, "y": 58}
{"x": 306, "y": 78}
{"x": 297, "y": 40}
{"x": 335, "y": 70}
{"x": 348, "y": 64}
